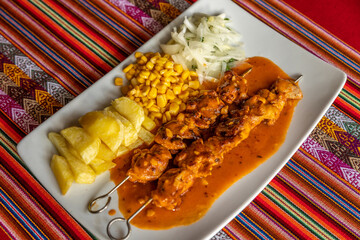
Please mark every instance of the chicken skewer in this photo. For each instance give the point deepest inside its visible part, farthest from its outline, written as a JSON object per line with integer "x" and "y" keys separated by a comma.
{"x": 200, "y": 113}
{"x": 175, "y": 182}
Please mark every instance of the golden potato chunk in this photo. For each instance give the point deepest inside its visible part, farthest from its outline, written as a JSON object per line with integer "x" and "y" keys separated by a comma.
{"x": 148, "y": 123}
{"x": 130, "y": 133}
{"x": 82, "y": 172}
{"x": 109, "y": 129}
{"x": 62, "y": 173}
{"x": 85, "y": 144}
{"x": 146, "y": 136}
{"x": 105, "y": 153}
{"x": 100, "y": 166}
{"x": 131, "y": 110}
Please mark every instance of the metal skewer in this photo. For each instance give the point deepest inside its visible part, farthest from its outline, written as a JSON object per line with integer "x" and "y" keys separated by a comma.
{"x": 127, "y": 221}
{"x": 298, "y": 78}
{"x": 107, "y": 195}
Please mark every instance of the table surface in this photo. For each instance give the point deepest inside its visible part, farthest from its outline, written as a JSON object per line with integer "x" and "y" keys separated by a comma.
{"x": 52, "y": 51}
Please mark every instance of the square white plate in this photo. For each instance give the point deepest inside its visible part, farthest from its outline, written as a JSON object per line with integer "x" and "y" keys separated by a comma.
{"x": 321, "y": 84}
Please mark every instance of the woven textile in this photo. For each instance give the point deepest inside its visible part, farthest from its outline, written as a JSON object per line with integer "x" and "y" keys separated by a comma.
{"x": 51, "y": 51}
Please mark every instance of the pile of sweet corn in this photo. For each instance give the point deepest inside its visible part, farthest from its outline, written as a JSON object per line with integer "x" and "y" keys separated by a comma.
{"x": 159, "y": 85}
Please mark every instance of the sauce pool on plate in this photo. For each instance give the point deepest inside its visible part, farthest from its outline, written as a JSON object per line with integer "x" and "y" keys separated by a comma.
{"x": 263, "y": 142}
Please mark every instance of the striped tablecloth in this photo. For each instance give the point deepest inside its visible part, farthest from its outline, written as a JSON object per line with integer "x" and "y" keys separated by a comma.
{"x": 51, "y": 51}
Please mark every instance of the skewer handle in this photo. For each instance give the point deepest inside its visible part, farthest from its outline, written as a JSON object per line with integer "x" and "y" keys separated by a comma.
{"x": 121, "y": 219}
{"x": 92, "y": 203}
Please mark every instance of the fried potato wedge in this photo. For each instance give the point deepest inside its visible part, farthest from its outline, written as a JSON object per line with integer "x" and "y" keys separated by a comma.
{"x": 131, "y": 110}
{"x": 62, "y": 173}
{"x": 82, "y": 172}
{"x": 100, "y": 166}
{"x": 109, "y": 129}
{"x": 85, "y": 144}
{"x": 130, "y": 133}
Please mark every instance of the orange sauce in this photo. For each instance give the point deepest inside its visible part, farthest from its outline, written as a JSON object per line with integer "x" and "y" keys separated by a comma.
{"x": 263, "y": 141}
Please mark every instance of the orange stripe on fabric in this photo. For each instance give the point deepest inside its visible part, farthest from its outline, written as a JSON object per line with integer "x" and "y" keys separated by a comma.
{"x": 85, "y": 29}
{"x": 32, "y": 52}
{"x": 295, "y": 35}
{"x": 75, "y": 59}
{"x": 65, "y": 36}
{"x": 270, "y": 224}
{"x": 122, "y": 17}
{"x": 282, "y": 217}
{"x": 10, "y": 128}
{"x": 103, "y": 28}
{"x": 322, "y": 34}
{"x": 43, "y": 205}
{"x": 309, "y": 209}
{"x": 11, "y": 224}
{"x": 318, "y": 196}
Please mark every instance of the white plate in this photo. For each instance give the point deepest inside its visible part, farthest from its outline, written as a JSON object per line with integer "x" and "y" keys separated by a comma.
{"x": 321, "y": 84}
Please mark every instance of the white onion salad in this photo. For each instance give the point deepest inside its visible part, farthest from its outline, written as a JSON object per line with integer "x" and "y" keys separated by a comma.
{"x": 205, "y": 44}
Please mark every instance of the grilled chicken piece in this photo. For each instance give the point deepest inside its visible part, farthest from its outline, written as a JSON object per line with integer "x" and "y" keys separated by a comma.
{"x": 203, "y": 111}
{"x": 232, "y": 88}
{"x": 172, "y": 185}
{"x": 148, "y": 164}
{"x": 198, "y": 158}
{"x": 172, "y": 134}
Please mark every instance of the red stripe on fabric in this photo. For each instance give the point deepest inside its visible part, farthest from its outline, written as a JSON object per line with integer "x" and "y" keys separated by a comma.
{"x": 102, "y": 27}
{"x": 10, "y": 128}
{"x": 282, "y": 217}
{"x": 310, "y": 209}
{"x": 353, "y": 88}
{"x": 32, "y": 52}
{"x": 43, "y": 198}
{"x": 87, "y": 30}
{"x": 11, "y": 228}
{"x": 123, "y": 19}
{"x": 65, "y": 36}
{"x": 347, "y": 109}
{"x": 82, "y": 64}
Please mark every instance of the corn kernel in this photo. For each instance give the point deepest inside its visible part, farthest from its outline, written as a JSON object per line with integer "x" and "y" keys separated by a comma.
{"x": 174, "y": 108}
{"x": 184, "y": 95}
{"x": 148, "y": 82}
{"x": 118, "y": 81}
{"x": 170, "y": 94}
{"x": 194, "y": 84}
{"x": 161, "y": 61}
{"x": 124, "y": 90}
{"x": 144, "y": 74}
{"x": 161, "y": 100}
{"x": 194, "y": 93}
{"x": 134, "y": 81}
{"x": 184, "y": 87}
{"x": 182, "y": 107}
{"x": 162, "y": 88}
{"x": 152, "y": 76}
{"x": 140, "y": 79}
{"x": 185, "y": 74}
{"x": 193, "y": 74}
{"x": 130, "y": 66}
{"x": 167, "y": 56}
{"x": 144, "y": 59}
{"x": 177, "y": 89}
{"x": 132, "y": 92}
{"x": 164, "y": 119}
{"x": 177, "y": 100}
{"x": 154, "y": 108}
{"x": 138, "y": 54}
{"x": 150, "y": 104}
{"x": 168, "y": 73}
{"x": 178, "y": 68}
{"x": 168, "y": 116}
{"x": 155, "y": 82}
{"x": 163, "y": 109}
{"x": 169, "y": 64}
{"x": 145, "y": 91}
{"x": 157, "y": 114}
{"x": 148, "y": 54}
{"x": 152, "y": 93}
{"x": 128, "y": 76}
